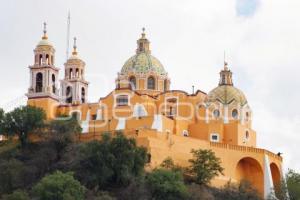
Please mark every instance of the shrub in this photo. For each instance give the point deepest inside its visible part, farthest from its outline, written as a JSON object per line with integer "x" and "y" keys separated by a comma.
{"x": 17, "y": 195}
{"x": 166, "y": 185}
{"x": 59, "y": 186}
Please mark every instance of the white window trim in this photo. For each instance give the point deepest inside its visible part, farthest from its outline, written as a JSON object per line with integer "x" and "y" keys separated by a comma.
{"x": 214, "y": 134}
{"x": 185, "y": 133}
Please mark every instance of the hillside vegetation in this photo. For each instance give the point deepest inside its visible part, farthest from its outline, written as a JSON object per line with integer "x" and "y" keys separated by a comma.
{"x": 58, "y": 167}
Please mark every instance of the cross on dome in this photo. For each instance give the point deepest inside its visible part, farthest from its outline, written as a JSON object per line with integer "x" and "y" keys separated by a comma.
{"x": 45, "y": 37}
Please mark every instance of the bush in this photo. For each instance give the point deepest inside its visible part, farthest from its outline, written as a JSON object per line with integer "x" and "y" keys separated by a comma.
{"x": 10, "y": 175}
{"x": 242, "y": 191}
{"x": 17, "y": 195}
{"x": 166, "y": 185}
{"x": 59, "y": 186}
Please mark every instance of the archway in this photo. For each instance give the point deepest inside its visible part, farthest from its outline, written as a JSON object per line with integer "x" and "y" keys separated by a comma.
{"x": 276, "y": 177}
{"x": 250, "y": 170}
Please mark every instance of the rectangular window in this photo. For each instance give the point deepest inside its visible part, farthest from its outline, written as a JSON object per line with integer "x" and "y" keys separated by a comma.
{"x": 122, "y": 100}
{"x": 214, "y": 137}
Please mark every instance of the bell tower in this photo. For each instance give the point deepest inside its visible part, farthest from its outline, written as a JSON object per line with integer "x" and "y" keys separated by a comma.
{"x": 43, "y": 89}
{"x": 74, "y": 86}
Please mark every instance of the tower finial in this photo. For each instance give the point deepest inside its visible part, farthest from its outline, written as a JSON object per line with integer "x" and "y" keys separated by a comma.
{"x": 225, "y": 62}
{"x": 45, "y": 37}
{"x": 143, "y": 32}
{"x": 74, "y": 46}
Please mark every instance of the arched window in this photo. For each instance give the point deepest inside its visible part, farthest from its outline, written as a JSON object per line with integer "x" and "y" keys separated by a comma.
{"x": 53, "y": 84}
{"x": 235, "y": 114}
{"x": 41, "y": 59}
{"x": 151, "y": 83}
{"x": 247, "y": 135}
{"x": 39, "y": 82}
{"x": 71, "y": 73}
{"x": 47, "y": 59}
{"x": 132, "y": 82}
{"x": 69, "y": 95}
{"x": 77, "y": 72}
{"x": 82, "y": 95}
{"x": 216, "y": 113}
{"x": 52, "y": 60}
{"x": 165, "y": 85}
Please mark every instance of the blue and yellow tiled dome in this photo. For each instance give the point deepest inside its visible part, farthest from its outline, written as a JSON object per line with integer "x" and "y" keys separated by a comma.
{"x": 143, "y": 63}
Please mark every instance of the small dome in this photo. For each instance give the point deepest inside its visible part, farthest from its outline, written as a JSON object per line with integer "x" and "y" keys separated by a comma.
{"x": 143, "y": 63}
{"x": 44, "y": 42}
{"x": 227, "y": 94}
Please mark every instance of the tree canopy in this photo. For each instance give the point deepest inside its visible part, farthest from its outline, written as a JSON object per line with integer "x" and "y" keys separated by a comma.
{"x": 24, "y": 120}
{"x": 59, "y": 186}
{"x": 111, "y": 161}
{"x": 166, "y": 185}
{"x": 204, "y": 166}
{"x": 2, "y": 117}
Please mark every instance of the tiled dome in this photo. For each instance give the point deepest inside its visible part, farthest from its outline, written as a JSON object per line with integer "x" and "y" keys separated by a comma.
{"x": 227, "y": 94}
{"x": 143, "y": 63}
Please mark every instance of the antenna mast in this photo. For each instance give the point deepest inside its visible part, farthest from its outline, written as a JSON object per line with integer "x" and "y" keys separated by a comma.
{"x": 68, "y": 35}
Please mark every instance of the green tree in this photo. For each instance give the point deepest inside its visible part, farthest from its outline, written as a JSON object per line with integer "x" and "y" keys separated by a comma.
{"x": 111, "y": 161}
{"x": 2, "y": 117}
{"x": 59, "y": 186}
{"x": 24, "y": 120}
{"x": 166, "y": 185}
{"x": 61, "y": 133}
{"x": 293, "y": 184}
{"x": 10, "y": 175}
{"x": 17, "y": 195}
{"x": 204, "y": 166}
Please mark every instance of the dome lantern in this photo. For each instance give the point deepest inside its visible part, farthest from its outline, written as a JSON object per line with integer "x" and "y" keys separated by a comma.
{"x": 143, "y": 44}
{"x": 225, "y": 76}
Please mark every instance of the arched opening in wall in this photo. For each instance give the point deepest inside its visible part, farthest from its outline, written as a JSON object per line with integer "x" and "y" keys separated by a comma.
{"x": 276, "y": 177}
{"x": 39, "y": 82}
{"x": 40, "y": 59}
{"x": 248, "y": 169}
{"x": 47, "y": 59}
{"x": 52, "y": 60}
{"x": 216, "y": 114}
{"x": 82, "y": 95}
{"x": 151, "y": 83}
{"x": 247, "y": 116}
{"x": 53, "y": 84}
{"x": 77, "y": 72}
{"x": 69, "y": 97}
{"x": 132, "y": 82}
{"x": 71, "y": 73}
{"x": 81, "y": 73}
{"x": 165, "y": 85}
{"x": 235, "y": 114}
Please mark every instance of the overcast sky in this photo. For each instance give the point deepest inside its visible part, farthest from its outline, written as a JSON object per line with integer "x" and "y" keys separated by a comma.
{"x": 261, "y": 39}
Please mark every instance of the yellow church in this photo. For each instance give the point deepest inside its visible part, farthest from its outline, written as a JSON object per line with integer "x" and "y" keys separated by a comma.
{"x": 169, "y": 123}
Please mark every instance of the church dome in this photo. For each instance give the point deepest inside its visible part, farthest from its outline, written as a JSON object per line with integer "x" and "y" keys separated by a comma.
{"x": 227, "y": 94}
{"x": 143, "y": 63}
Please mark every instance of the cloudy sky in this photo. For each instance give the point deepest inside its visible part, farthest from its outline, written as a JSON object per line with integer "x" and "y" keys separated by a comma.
{"x": 260, "y": 37}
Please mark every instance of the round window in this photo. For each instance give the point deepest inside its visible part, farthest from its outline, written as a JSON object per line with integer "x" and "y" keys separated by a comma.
{"x": 235, "y": 114}
{"x": 216, "y": 113}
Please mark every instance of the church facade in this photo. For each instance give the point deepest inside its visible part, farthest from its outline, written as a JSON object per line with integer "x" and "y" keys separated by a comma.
{"x": 169, "y": 123}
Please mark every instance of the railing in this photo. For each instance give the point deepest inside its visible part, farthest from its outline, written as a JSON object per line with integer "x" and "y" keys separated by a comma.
{"x": 245, "y": 149}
